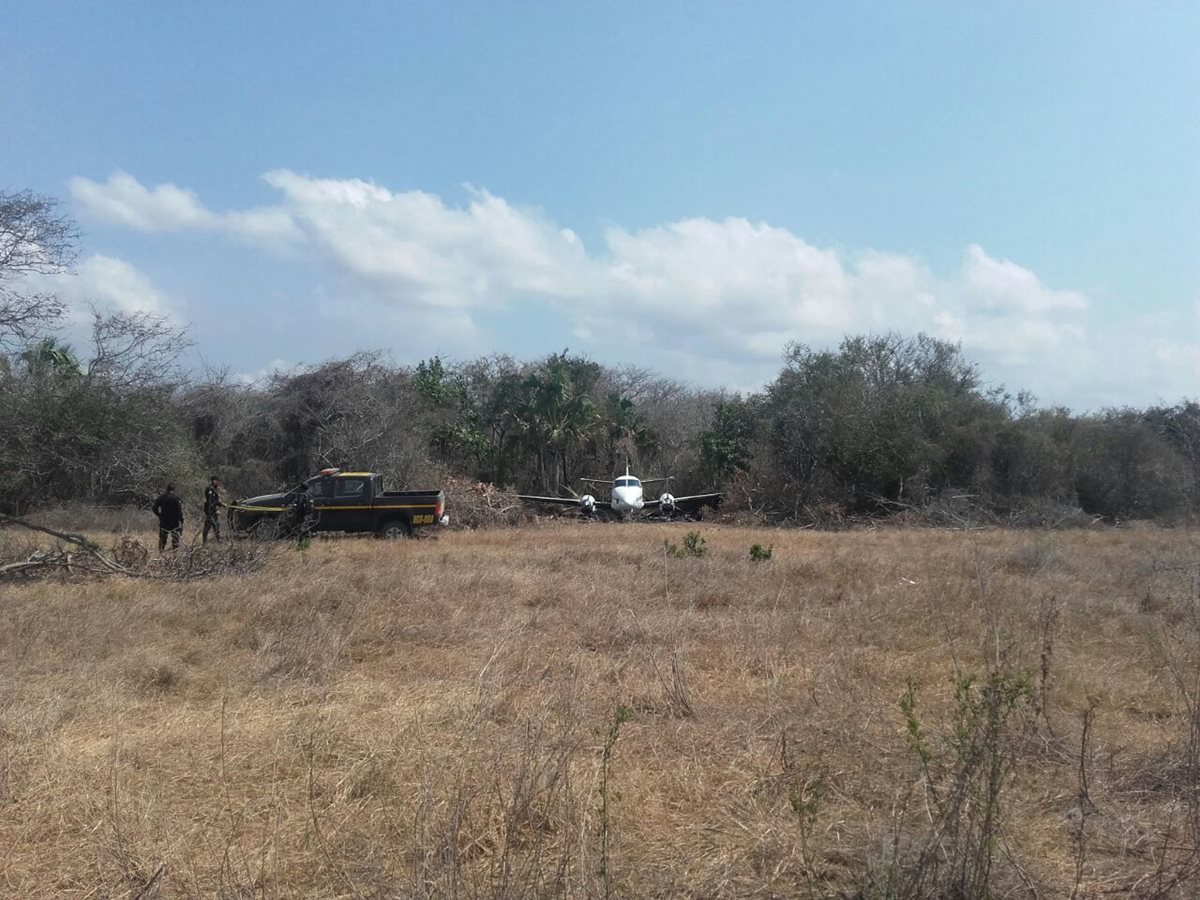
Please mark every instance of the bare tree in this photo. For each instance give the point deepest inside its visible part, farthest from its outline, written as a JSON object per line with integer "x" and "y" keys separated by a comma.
{"x": 108, "y": 427}
{"x": 136, "y": 350}
{"x": 34, "y": 239}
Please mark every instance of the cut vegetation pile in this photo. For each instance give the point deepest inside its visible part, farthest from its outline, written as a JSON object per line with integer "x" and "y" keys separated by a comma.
{"x": 574, "y": 710}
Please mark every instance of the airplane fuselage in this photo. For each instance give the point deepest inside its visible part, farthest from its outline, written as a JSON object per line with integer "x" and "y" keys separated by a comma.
{"x": 627, "y": 496}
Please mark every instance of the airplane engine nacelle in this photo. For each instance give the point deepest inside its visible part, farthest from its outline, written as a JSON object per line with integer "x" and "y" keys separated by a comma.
{"x": 666, "y": 503}
{"x": 587, "y": 503}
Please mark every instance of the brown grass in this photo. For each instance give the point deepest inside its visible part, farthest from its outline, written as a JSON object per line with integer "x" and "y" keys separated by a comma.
{"x": 431, "y": 718}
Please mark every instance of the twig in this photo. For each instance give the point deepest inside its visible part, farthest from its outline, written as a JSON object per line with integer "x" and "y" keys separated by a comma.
{"x": 152, "y": 883}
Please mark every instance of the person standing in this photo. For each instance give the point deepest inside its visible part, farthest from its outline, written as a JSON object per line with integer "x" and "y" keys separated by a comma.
{"x": 302, "y": 513}
{"x": 169, "y": 509}
{"x": 212, "y": 503}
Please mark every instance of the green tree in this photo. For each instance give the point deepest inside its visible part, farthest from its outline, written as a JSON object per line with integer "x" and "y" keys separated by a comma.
{"x": 727, "y": 446}
{"x": 557, "y": 416}
{"x": 883, "y": 420}
{"x": 622, "y": 433}
{"x": 49, "y": 358}
{"x": 1125, "y": 469}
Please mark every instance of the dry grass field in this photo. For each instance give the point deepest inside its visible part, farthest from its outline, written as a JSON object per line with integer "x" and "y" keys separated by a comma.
{"x": 566, "y": 710}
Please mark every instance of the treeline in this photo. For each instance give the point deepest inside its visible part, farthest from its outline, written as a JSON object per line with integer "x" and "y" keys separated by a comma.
{"x": 882, "y": 424}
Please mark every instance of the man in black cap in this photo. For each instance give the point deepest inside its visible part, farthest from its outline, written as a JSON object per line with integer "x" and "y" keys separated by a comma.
{"x": 212, "y": 503}
{"x": 169, "y": 509}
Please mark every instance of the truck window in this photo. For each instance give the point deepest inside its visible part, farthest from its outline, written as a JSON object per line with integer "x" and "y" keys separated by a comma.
{"x": 351, "y": 487}
{"x": 321, "y": 489}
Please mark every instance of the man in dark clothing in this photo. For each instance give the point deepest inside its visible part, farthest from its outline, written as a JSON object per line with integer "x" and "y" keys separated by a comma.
{"x": 302, "y": 512}
{"x": 169, "y": 509}
{"x": 212, "y": 503}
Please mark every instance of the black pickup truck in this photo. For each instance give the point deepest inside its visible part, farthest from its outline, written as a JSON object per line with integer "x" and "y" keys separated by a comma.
{"x": 343, "y": 501}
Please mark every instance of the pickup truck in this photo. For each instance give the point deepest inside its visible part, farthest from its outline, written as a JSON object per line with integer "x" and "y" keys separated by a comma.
{"x": 343, "y": 501}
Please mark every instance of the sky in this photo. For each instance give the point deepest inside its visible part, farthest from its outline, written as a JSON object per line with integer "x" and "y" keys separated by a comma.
{"x": 686, "y": 187}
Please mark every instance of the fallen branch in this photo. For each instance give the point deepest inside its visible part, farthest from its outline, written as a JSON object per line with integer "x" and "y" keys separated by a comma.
{"x": 77, "y": 539}
{"x": 129, "y": 559}
{"x": 91, "y": 548}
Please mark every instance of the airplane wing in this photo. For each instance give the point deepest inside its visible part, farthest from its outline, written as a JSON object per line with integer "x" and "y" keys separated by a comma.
{"x": 656, "y": 480}
{"x": 595, "y": 509}
{"x": 603, "y": 482}
{"x": 562, "y": 501}
{"x": 695, "y": 501}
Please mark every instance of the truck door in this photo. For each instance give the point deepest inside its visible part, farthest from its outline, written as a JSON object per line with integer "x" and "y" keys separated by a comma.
{"x": 351, "y": 504}
{"x": 321, "y": 492}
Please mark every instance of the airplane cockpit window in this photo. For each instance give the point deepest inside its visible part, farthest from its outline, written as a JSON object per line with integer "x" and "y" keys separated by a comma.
{"x": 627, "y": 482}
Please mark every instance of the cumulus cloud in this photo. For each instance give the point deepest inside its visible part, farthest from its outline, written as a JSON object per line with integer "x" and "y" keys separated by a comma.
{"x": 999, "y": 284}
{"x": 741, "y": 283}
{"x": 1000, "y": 309}
{"x": 414, "y": 248}
{"x": 107, "y": 282}
{"x": 725, "y": 295}
{"x": 104, "y": 285}
{"x": 116, "y": 282}
{"x": 123, "y": 200}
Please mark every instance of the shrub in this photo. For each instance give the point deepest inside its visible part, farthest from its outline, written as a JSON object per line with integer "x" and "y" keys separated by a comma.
{"x": 693, "y": 546}
{"x": 964, "y": 776}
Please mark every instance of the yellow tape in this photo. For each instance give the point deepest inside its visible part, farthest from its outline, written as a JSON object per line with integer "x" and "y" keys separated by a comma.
{"x": 335, "y": 507}
{"x": 330, "y": 508}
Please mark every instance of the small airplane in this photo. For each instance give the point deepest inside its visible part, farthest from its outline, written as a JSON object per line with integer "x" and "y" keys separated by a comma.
{"x": 627, "y": 497}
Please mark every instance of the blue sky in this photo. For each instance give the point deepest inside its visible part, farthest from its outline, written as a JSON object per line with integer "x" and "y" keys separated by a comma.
{"x": 682, "y": 186}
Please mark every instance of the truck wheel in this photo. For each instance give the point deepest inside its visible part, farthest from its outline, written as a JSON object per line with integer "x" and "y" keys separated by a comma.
{"x": 394, "y": 530}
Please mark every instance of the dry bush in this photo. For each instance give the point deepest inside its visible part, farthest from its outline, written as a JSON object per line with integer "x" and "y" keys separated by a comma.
{"x": 1040, "y": 512}
{"x": 1036, "y": 555}
{"x": 478, "y": 504}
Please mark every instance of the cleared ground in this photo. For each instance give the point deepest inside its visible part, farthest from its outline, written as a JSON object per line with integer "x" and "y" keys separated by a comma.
{"x": 568, "y": 710}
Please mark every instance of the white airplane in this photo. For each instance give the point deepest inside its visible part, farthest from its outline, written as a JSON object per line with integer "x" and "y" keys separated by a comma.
{"x": 627, "y": 498}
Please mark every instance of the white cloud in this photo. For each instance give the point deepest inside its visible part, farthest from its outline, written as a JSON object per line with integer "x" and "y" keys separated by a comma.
{"x": 264, "y": 373}
{"x": 999, "y": 284}
{"x": 1153, "y": 357}
{"x": 106, "y": 282}
{"x": 268, "y": 225}
{"x": 123, "y": 200}
{"x": 413, "y": 248}
{"x": 711, "y": 296}
{"x": 739, "y": 283}
{"x": 118, "y": 283}
{"x": 103, "y": 284}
